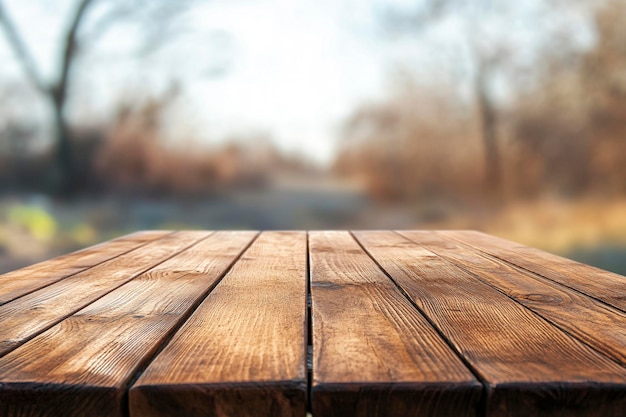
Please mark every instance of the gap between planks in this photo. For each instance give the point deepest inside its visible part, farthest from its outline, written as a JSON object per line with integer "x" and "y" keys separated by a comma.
{"x": 309, "y": 329}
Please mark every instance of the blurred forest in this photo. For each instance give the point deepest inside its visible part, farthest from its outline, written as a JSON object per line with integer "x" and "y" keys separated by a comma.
{"x": 562, "y": 133}
{"x": 533, "y": 151}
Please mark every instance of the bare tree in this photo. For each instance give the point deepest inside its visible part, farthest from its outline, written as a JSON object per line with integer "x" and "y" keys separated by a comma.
{"x": 488, "y": 63}
{"x": 57, "y": 90}
{"x": 488, "y": 122}
{"x": 486, "y": 57}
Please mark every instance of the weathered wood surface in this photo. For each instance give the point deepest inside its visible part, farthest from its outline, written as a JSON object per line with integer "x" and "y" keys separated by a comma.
{"x": 23, "y": 281}
{"x": 88, "y": 359}
{"x": 33, "y": 313}
{"x": 243, "y": 351}
{"x": 602, "y": 285}
{"x": 374, "y": 354}
{"x": 529, "y": 366}
{"x": 402, "y": 324}
{"x": 596, "y": 324}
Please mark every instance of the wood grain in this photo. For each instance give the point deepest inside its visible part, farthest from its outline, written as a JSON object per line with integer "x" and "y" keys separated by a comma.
{"x": 23, "y": 281}
{"x": 81, "y": 366}
{"x": 33, "y": 313}
{"x": 529, "y": 366}
{"x": 595, "y": 323}
{"x": 602, "y": 285}
{"x": 242, "y": 353}
{"x": 374, "y": 354}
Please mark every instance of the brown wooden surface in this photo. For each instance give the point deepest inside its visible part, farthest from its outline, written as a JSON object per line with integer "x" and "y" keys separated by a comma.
{"x": 373, "y": 353}
{"x": 33, "y": 313}
{"x": 602, "y": 285}
{"x": 403, "y": 324}
{"x": 96, "y": 351}
{"x": 23, "y": 281}
{"x": 598, "y": 325}
{"x": 524, "y": 361}
{"x": 243, "y": 351}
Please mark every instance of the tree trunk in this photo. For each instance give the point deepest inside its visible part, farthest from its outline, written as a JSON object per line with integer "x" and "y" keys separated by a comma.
{"x": 64, "y": 175}
{"x": 488, "y": 121}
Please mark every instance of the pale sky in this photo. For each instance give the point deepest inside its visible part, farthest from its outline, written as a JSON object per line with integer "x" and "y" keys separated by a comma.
{"x": 293, "y": 69}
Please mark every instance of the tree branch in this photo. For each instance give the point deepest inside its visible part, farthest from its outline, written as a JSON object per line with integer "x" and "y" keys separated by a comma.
{"x": 20, "y": 49}
{"x": 69, "y": 52}
{"x": 101, "y": 26}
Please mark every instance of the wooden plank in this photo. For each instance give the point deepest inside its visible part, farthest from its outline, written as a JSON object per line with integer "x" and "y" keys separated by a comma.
{"x": 33, "y": 313}
{"x": 23, "y": 281}
{"x": 81, "y": 367}
{"x": 529, "y": 366}
{"x": 598, "y": 325}
{"x": 374, "y": 354}
{"x": 602, "y": 285}
{"x": 242, "y": 353}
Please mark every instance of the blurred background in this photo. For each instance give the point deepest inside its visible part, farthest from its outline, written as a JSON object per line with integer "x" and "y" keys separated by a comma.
{"x": 507, "y": 117}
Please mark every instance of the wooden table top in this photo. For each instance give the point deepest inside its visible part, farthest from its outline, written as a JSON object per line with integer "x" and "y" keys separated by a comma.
{"x": 337, "y": 324}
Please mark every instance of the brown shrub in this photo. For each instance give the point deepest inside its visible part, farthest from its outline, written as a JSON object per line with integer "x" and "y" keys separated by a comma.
{"x": 414, "y": 146}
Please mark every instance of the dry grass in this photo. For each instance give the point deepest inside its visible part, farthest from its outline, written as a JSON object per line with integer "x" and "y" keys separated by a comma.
{"x": 555, "y": 225}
